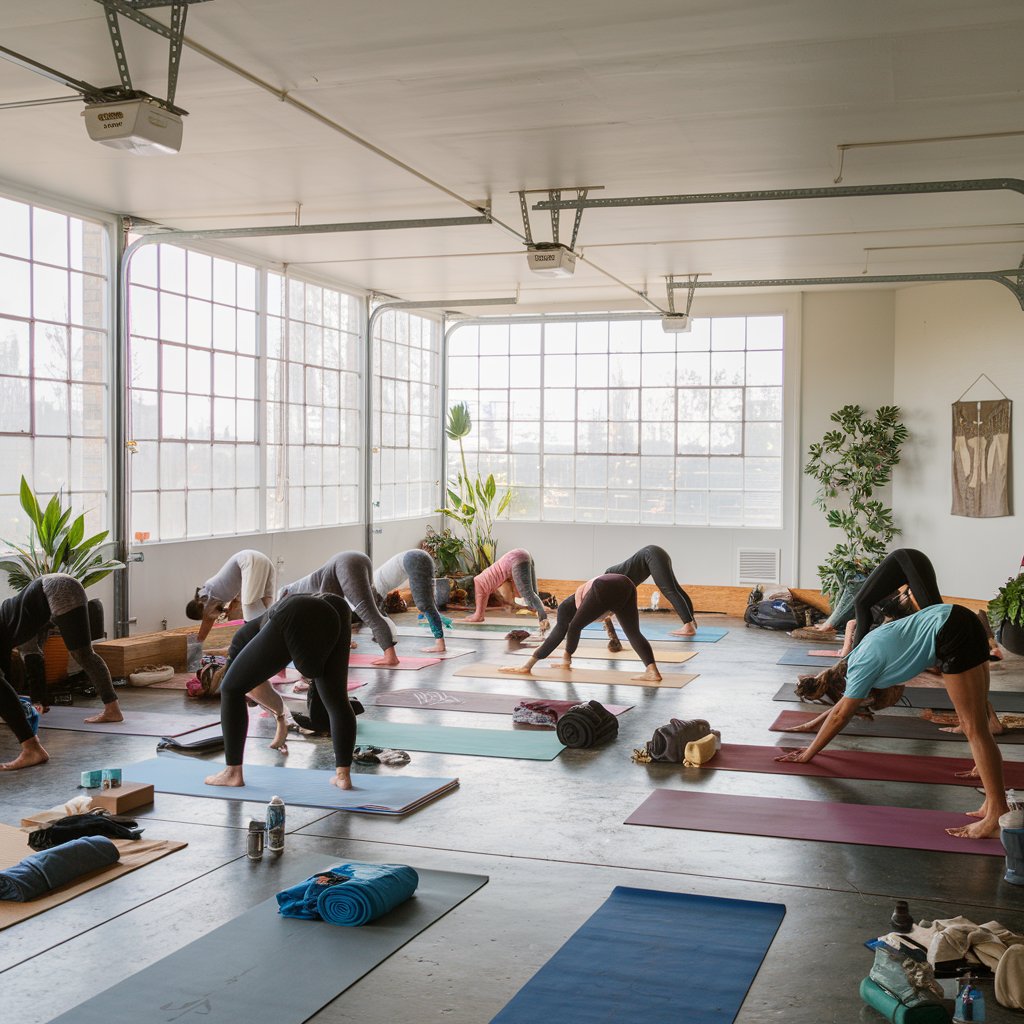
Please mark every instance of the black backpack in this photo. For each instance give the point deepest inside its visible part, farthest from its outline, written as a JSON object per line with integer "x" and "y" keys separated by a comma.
{"x": 772, "y": 615}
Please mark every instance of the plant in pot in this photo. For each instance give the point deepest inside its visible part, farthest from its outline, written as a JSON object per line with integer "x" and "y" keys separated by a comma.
{"x": 473, "y": 502}
{"x": 448, "y": 552}
{"x": 57, "y": 543}
{"x": 851, "y": 463}
{"x": 1006, "y": 613}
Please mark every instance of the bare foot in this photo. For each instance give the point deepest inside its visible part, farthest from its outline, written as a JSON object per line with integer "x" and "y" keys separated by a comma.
{"x": 230, "y": 776}
{"x": 111, "y": 713}
{"x": 515, "y": 670}
{"x": 32, "y": 753}
{"x": 544, "y": 625}
{"x": 280, "y": 740}
{"x": 987, "y": 828}
{"x": 437, "y": 648}
{"x": 615, "y": 645}
{"x": 652, "y": 675}
{"x": 472, "y": 618}
{"x": 389, "y": 660}
{"x": 687, "y": 629}
{"x": 353, "y": 645}
{"x": 342, "y": 778}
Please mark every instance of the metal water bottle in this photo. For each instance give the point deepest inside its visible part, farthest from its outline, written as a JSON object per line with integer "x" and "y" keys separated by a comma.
{"x": 275, "y": 825}
{"x": 254, "y": 839}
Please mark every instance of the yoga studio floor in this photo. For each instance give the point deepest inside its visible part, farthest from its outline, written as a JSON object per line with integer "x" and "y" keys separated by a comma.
{"x": 548, "y": 833}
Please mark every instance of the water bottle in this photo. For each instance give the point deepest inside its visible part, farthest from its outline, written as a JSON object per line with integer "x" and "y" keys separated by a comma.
{"x": 275, "y": 825}
{"x": 1013, "y": 801}
{"x": 254, "y": 839}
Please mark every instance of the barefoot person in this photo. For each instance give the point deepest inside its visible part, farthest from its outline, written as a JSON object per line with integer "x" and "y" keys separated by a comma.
{"x": 610, "y": 594}
{"x": 654, "y": 562}
{"x": 349, "y": 575}
{"x": 893, "y": 654}
{"x": 514, "y": 569}
{"x": 244, "y": 587}
{"x": 314, "y": 633}
{"x": 417, "y": 567}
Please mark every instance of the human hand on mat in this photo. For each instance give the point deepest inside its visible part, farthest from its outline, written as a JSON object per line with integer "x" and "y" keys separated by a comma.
{"x": 971, "y": 773}
{"x": 797, "y": 756}
{"x": 342, "y": 778}
{"x": 389, "y": 659}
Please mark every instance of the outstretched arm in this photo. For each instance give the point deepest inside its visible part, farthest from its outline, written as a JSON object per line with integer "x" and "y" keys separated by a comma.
{"x": 833, "y": 722}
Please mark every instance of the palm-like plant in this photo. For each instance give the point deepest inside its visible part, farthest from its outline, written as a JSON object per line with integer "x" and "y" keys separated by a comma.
{"x": 57, "y": 544}
{"x": 473, "y": 503}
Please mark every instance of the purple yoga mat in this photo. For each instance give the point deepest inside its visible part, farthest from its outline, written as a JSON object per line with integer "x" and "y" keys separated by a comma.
{"x": 464, "y": 700}
{"x": 909, "y": 828}
{"x": 901, "y": 727}
{"x": 858, "y": 764}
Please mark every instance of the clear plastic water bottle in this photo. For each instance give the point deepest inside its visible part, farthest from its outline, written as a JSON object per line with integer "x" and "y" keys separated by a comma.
{"x": 275, "y": 825}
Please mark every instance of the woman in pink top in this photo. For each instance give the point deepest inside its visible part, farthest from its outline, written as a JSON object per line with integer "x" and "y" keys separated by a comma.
{"x": 515, "y": 566}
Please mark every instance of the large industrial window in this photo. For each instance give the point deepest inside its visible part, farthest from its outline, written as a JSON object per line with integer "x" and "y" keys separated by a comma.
{"x": 620, "y": 422}
{"x": 406, "y": 435}
{"x": 54, "y": 337}
{"x": 314, "y": 396}
{"x": 194, "y": 383}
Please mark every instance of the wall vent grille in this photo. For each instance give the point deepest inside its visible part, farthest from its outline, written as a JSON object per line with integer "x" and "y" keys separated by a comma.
{"x": 758, "y": 565}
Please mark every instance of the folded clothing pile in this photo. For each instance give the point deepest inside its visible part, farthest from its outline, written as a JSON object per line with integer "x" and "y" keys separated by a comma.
{"x": 542, "y": 712}
{"x": 41, "y": 873}
{"x": 380, "y": 755}
{"x": 587, "y": 725}
{"x": 690, "y": 742}
{"x": 349, "y": 894}
{"x": 148, "y": 675}
{"x": 78, "y": 826}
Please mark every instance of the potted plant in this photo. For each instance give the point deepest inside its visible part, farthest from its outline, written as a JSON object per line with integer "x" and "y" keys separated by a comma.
{"x": 57, "y": 543}
{"x": 1006, "y": 613}
{"x": 850, "y": 464}
{"x": 448, "y": 552}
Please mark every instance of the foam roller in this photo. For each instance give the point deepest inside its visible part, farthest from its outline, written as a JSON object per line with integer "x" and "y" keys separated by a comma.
{"x": 893, "y": 1010}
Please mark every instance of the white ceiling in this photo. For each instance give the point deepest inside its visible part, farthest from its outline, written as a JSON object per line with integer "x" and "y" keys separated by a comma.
{"x": 648, "y": 97}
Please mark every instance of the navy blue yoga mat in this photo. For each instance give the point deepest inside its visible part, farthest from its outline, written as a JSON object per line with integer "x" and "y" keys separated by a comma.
{"x": 628, "y": 962}
{"x": 661, "y": 631}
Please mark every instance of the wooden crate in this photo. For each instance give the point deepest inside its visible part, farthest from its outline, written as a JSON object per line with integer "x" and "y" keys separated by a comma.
{"x": 129, "y": 653}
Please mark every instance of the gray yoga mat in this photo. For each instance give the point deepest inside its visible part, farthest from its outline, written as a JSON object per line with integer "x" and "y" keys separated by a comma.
{"x": 802, "y": 658}
{"x": 136, "y": 723}
{"x": 234, "y": 973}
{"x": 464, "y": 700}
{"x": 902, "y": 727}
{"x": 1008, "y": 702}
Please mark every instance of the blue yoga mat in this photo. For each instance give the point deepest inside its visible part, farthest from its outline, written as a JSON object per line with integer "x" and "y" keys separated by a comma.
{"x": 661, "y": 631}
{"x": 801, "y": 657}
{"x": 305, "y": 787}
{"x": 656, "y": 957}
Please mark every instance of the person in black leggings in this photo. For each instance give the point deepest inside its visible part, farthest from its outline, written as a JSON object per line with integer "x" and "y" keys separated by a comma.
{"x": 654, "y": 562}
{"x": 313, "y": 632}
{"x": 903, "y": 567}
{"x": 610, "y": 594}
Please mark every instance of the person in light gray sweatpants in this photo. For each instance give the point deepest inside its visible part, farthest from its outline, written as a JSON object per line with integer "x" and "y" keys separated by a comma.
{"x": 418, "y": 568}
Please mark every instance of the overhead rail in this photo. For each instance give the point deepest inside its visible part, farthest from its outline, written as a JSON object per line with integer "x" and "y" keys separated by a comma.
{"x": 900, "y": 188}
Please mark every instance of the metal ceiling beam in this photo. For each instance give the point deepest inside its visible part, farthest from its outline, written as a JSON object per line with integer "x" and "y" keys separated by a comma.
{"x": 765, "y": 195}
{"x": 272, "y": 231}
{"x": 84, "y": 88}
{"x": 1011, "y": 279}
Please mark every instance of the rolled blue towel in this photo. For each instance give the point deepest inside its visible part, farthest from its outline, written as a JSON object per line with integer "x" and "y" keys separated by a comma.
{"x": 43, "y": 872}
{"x": 349, "y": 894}
{"x": 31, "y": 714}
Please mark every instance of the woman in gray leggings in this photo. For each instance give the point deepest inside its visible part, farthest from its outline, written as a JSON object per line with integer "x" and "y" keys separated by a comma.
{"x": 418, "y": 568}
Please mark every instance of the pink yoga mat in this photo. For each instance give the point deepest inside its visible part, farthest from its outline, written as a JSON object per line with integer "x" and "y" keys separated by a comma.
{"x": 908, "y": 828}
{"x": 901, "y": 727}
{"x": 464, "y": 700}
{"x": 823, "y": 654}
{"x": 857, "y": 764}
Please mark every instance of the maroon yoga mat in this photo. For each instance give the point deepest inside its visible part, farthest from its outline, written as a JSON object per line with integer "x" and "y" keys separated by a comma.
{"x": 901, "y": 727}
{"x": 857, "y": 764}
{"x": 463, "y": 700}
{"x": 909, "y": 828}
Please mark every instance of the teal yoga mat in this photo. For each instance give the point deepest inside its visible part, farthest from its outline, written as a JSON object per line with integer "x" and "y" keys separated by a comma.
{"x": 661, "y": 631}
{"x": 305, "y": 787}
{"x": 652, "y": 957}
{"x": 526, "y": 744}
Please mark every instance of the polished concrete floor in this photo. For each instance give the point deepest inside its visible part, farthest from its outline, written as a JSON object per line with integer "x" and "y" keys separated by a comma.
{"x": 549, "y": 835}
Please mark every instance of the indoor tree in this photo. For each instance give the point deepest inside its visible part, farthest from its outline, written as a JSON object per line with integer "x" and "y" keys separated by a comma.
{"x": 851, "y": 463}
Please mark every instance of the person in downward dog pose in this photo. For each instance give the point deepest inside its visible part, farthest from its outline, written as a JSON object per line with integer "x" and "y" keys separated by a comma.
{"x": 417, "y": 567}
{"x": 349, "y": 575}
{"x": 514, "y": 569}
{"x": 314, "y": 632}
{"x": 60, "y": 599}
{"x": 873, "y": 676}
{"x": 610, "y": 594}
{"x": 243, "y": 588}
{"x": 652, "y": 561}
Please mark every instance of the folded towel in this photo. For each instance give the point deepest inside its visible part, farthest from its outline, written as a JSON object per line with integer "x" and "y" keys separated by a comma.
{"x": 77, "y": 826}
{"x": 349, "y": 894}
{"x": 700, "y": 751}
{"x": 587, "y": 725}
{"x": 542, "y": 712}
{"x": 669, "y": 741}
{"x": 41, "y": 873}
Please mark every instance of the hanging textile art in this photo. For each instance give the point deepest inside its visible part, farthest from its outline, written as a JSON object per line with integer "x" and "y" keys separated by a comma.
{"x": 981, "y": 458}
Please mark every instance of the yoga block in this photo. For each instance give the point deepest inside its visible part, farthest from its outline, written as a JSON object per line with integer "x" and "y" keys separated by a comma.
{"x": 127, "y": 797}
{"x": 129, "y": 653}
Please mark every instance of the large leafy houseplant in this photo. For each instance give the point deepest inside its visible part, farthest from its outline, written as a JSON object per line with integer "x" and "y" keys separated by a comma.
{"x": 1008, "y": 604}
{"x": 850, "y": 464}
{"x": 57, "y": 543}
{"x": 447, "y": 550}
{"x": 473, "y": 502}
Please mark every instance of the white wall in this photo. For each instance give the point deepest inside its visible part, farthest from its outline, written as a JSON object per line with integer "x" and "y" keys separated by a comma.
{"x": 847, "y": 359}
{"x": 945, "y": 336}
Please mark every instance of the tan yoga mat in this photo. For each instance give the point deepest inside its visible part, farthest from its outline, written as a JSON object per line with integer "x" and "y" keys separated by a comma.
{"x": 626, "y": 654}
{"x": 135, "y": 853}
{"x": 499, "y": 619}
{"x": 673, "y": 681}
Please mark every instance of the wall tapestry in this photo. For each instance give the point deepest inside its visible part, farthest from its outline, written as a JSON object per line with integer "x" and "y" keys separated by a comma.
{"x": 981, "y": 457}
